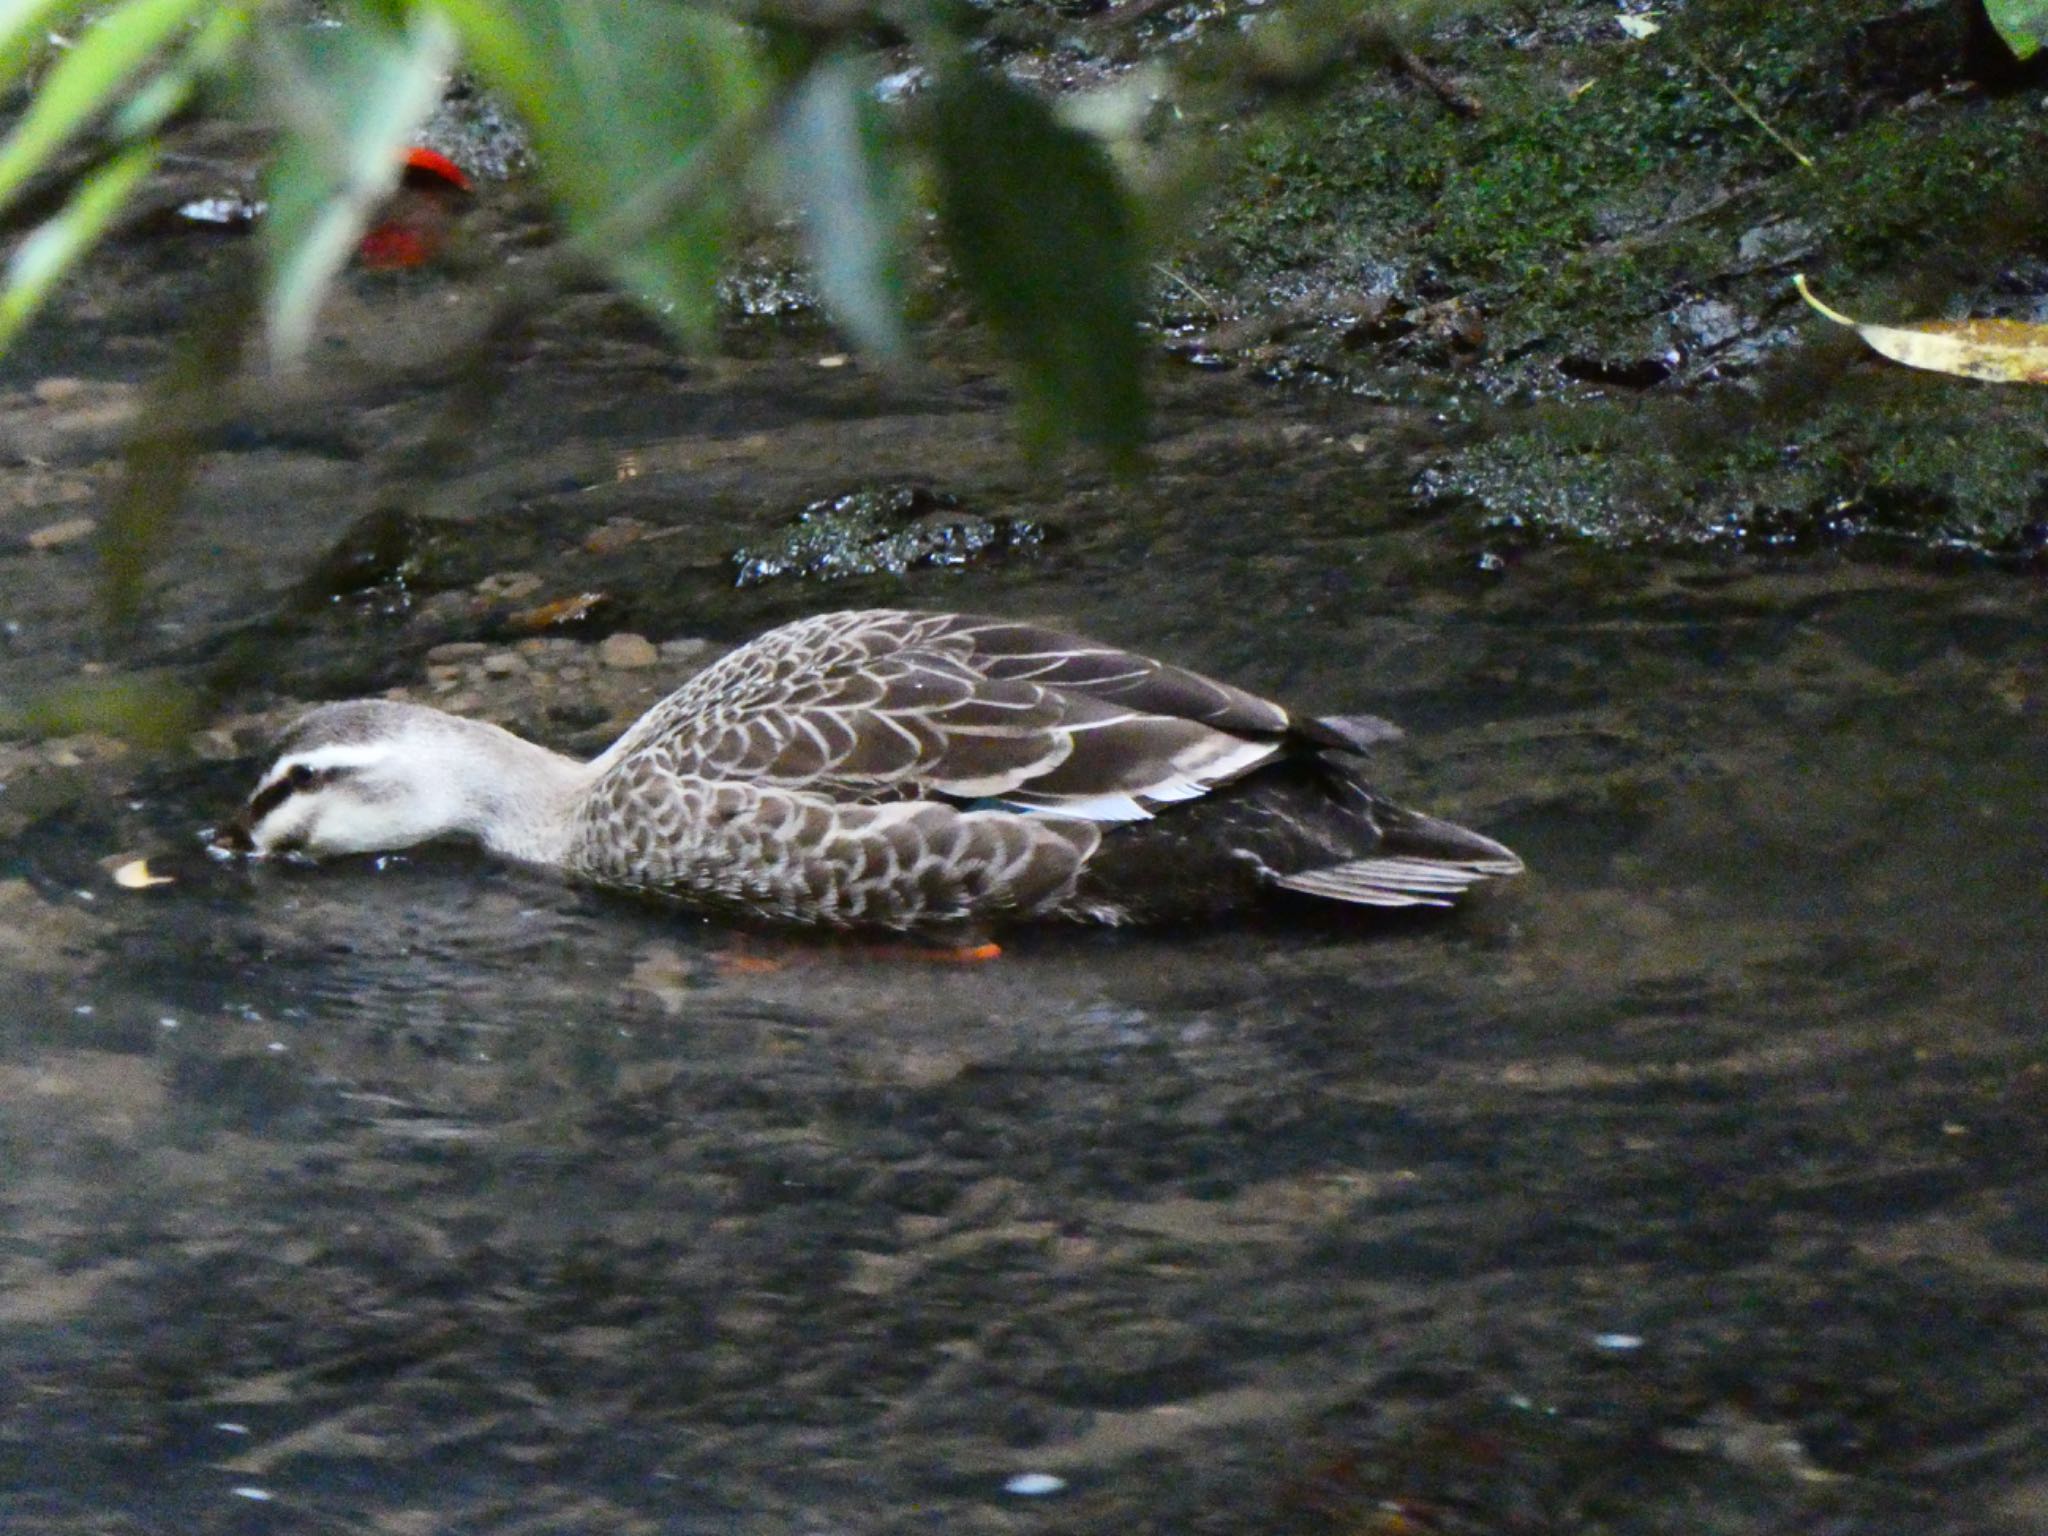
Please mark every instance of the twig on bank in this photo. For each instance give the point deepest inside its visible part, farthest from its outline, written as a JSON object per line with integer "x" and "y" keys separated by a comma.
{"x": 1748, "y": 111}
{"x": 1460, "y": 102}
{"x": 1209, "y": 305}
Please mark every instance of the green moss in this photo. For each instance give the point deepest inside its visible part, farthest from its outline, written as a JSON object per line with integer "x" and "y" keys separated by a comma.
{"x": 1609, "y": 184}
{"x": 1908, "y": 179}
{"x": 1574, "y": 145}
{"x": 1592, "y": 159}
{"x": 1884, "y": 455}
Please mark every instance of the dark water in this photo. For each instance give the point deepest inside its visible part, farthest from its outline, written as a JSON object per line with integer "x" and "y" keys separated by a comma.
{"x": 1698, "y": 1184}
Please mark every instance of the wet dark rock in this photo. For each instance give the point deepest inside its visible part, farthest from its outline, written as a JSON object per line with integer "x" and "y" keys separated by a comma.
{"x": 471, "y": 127}
{"x": 1916, "y": 48}
{"x": 377, "y": 558}
{"x": 767, "y": 292}
{"x": 884, "y": 531}
{"x": 1798, "y": 462}
{"x": 1628, "y": 373}
{"x": 1707, "y": 325}
{"x": 1780, "y": 242}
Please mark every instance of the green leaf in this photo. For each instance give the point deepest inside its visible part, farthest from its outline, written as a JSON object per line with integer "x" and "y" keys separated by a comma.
{"x": 1044, "y": 241}
{"x": 2022, "y": 23}
{"x": 832, "y": 166}
{"x": 41, "y": 259}
{"x": 500, "y": 40}
{"x": 85, "y": 80}
{"x": 213, "y": 46}
{"x": 50, "y": 249}
{"x": 25, "y": 28}
{"x": 351, "y": 99}
{"x": 621, "y": 98}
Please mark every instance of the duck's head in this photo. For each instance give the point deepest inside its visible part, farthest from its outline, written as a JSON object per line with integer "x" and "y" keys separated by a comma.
{"x": 361, "y": 777}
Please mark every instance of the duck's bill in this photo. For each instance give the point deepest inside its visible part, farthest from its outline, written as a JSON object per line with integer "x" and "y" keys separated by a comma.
{"x": 233, "y": 839}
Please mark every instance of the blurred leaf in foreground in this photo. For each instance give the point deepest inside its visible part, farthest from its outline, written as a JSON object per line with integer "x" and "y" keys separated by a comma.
{"x": 83, "y": 89}
{"x": 212, "y": 52}
{"x": 645, "y": 120}
{"x": 830, "y": 161}
{"x": 136, "y": 707}
{"x": 351, "y": 98}
{"x": 84, "y": 82}
{"x": 49, "y": 249}
{"x": 2022, "y": 23}
{"x": 163, "y": 453}
{"x": 26, "y": 30}
{"x": 623, "y": 100}
{"x": 1039, "y": 228}
{"x": 2001, "y": 351}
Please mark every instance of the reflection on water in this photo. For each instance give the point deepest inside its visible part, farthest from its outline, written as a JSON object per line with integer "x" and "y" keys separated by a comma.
{"x": 1697, "y": 1183}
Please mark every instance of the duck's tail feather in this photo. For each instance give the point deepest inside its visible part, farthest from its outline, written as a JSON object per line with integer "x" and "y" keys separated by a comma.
{"x": 1392, "y": 882}
{"x": 1421, "y": 862}
{"x": 1410, "y": 834}
{"x": 1354, "y": 734}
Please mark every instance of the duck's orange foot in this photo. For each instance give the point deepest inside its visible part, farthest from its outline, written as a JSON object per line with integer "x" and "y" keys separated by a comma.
{"x": 760, "y": 954}
{"x": 739, "y": 959}
{"x": 933, "y": 954}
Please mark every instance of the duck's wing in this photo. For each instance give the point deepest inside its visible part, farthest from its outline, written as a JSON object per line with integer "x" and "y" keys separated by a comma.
{"x": 882, "y": 705}
{"x": 1002, "y": 648}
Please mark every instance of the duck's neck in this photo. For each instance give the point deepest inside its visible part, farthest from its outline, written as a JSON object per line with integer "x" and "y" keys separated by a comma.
{"x": 518, "y": 798}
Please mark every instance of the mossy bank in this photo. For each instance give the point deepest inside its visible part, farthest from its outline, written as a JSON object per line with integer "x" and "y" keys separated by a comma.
{"x": 1593, "y": 273}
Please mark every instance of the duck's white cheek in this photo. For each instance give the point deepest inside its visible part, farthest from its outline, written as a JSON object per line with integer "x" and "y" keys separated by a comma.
{"x": 359, "y": 826}
{"x": 319, "y": 825}
{"x": 369, "y": 818}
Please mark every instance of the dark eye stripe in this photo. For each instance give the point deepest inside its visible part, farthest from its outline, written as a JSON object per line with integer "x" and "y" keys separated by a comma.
{"x": 269, "y": 798}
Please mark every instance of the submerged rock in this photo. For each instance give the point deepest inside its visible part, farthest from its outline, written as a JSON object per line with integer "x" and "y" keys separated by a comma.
{"x": 888, "y": 530}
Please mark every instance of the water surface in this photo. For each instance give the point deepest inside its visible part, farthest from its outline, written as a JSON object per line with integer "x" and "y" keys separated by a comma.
{"x": 1695, "y": 1183}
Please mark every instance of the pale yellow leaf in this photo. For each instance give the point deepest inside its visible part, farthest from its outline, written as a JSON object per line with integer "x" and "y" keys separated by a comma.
{"x": 136, "y": 875}
{"x": 2001, "y": 351}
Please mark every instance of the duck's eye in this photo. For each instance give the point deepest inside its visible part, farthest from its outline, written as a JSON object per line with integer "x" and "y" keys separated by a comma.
{"x": 298, "y": 776}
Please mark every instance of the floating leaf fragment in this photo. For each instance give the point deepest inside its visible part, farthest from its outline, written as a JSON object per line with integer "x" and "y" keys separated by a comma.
{"x": 1999, "y": 351}
{"x": 430, "y": 170}
{"x": 136, "y": 875}
{"x": 563, "y": 610}
{"x": 56, "y": 535}
{"x": 1639, "y": 27}
{"x": 1033, "y": 1485}
{"x": 418, "y": 216}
